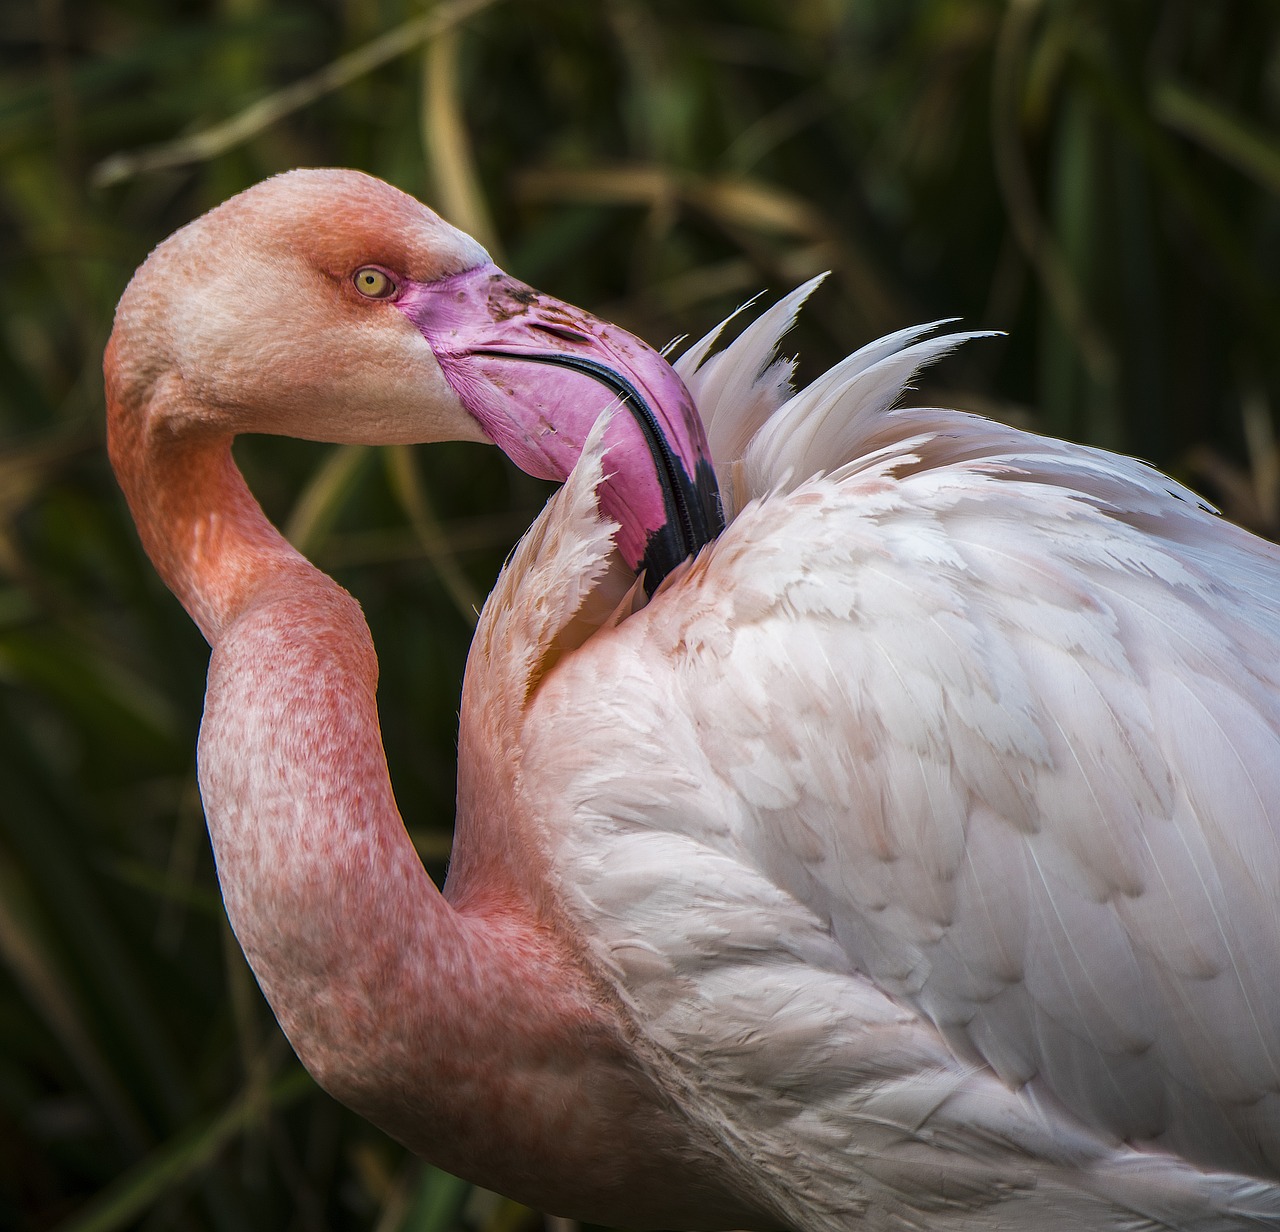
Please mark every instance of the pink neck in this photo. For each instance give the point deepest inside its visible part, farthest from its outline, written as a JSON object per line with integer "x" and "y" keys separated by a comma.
{"x": 197, "y": 519}
{"x": 471, "y": 1034}
{"x": 324, "y": 890}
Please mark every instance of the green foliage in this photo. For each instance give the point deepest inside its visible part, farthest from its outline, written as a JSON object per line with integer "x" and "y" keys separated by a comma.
{"x": 1099, "y": 178}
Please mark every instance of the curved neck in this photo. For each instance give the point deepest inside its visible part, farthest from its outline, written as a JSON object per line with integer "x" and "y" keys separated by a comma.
{"x": 200, "y": 525}
{"x": 321, "y": 883}
{"x": 466, "y": 1033}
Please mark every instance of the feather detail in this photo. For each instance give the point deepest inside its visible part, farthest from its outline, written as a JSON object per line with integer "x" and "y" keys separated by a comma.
{"x": 739, "y": 388}
{"x": 562, "y": 559}
{"x": 925, "y": 824}
{"x": 833, "y": 421}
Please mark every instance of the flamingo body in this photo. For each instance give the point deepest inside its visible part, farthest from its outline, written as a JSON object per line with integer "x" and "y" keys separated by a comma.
{"x": 926, "y": 823}
{"x": 909, "y": 860}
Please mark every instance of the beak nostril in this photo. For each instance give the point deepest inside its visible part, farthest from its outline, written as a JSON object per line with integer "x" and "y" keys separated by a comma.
{"x": 560, "y": 331}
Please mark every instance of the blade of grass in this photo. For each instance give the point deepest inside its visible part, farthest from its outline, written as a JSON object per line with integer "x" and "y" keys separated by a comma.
{"x": 407, "y": 484}
{"x": 1017, "y": 188}
{"x": 746, "y": 209}
{"x": 1244, "y": 146}
{"x": 1202, "y": 207}
{"x": 733, "y": 200}
{"x": 1264, "y": 452}
{"x": 41, "y": 828}
{"x": 210, "y": 142}
{"x": 436, "y": 1202}
{"x": 448, "y": 145}
{"x": 317, "y": 509}
{"x": 28, "y": 955}
{"x": 168, "y": 1167}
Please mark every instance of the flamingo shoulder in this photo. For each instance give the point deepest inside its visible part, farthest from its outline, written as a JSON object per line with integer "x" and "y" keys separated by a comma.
{"x": 929, "y": 817}
{"x": 867, "y": 912}
{"x": 970, "y": 742}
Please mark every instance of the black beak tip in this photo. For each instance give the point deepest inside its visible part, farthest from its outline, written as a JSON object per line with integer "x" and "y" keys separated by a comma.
{"x": 675, "y": 542}
{"x": 663, "y": 553}
{"x": 694, "y": 513}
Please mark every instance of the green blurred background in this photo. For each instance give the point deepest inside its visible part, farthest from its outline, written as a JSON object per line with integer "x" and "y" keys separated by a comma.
{"x": 1100, "y": 178}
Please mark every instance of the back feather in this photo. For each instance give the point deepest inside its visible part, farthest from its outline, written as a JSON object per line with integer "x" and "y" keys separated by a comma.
{"x": 924, "y": 824}
{"x": 739, "y": 388}
{"x": 766, "y": 438}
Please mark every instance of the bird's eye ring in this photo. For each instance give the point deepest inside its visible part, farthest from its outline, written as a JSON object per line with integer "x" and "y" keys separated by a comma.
{"x": 374, "y": 283}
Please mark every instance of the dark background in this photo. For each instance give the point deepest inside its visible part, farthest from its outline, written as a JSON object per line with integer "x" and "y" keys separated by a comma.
{"x": 1097, "y": 177}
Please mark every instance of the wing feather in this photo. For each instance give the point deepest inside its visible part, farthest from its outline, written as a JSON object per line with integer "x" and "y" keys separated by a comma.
{"x": 1063, "y": 847}
{"x": 962, "y": 736}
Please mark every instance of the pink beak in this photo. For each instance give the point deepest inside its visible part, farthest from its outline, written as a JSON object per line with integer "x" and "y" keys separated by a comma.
{"x": 536, "y": 373}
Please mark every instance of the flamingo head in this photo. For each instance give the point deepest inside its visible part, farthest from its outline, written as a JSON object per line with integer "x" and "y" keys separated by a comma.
{"x": 327, "y": 305}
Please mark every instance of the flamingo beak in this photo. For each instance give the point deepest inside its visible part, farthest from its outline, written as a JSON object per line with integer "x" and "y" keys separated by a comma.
{"x": 536, "y": 373}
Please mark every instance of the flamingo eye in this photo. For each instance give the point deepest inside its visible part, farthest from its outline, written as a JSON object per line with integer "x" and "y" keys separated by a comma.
{"x": 374, "y": 283}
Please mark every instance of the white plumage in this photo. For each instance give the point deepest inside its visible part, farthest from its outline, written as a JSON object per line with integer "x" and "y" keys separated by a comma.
{"x": 926, "y": 824}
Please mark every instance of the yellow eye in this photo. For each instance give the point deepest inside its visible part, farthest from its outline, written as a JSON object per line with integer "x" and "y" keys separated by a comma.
{"x": 372, "y": 283}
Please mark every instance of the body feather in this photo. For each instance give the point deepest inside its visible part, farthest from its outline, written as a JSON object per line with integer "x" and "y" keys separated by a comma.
{"x": 926, "y": 824}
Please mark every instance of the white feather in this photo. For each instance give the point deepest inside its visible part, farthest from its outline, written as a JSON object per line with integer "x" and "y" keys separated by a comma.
{"x": 927, "y": 825}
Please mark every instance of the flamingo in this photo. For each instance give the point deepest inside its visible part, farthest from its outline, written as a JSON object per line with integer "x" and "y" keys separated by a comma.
{"x": 906, "y": 858}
